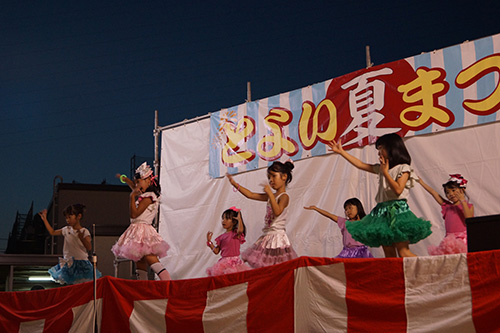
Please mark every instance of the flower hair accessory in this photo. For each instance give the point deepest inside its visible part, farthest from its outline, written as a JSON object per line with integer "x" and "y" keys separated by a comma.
{"x": 235, "y": 209}
{"x": 144, "y": 170}
{"x": 459, "y": 179}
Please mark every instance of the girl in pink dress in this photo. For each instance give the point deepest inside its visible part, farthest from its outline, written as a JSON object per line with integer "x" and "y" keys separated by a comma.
{"x": 455, "y": 210}
{"x": 354, "y": 211}
{"x": 141, "y": 242}
{"x": 228, "y": 244}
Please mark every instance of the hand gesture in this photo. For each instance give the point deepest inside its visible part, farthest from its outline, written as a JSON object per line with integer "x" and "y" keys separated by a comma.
{"x": 384, "y": 163}
{"x": 43, "y": 214}
{"x": 335, "y": 146}
{"x": 461, "y": 196}
{"x": 310, "y": 207}
{"x": 80, "y": 234}
{"x": 209, "y": 236}
{"x": 268, "y": 190}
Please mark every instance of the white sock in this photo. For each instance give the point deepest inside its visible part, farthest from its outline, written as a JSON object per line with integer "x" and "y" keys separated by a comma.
{"x": 141, "y": 274}
{"x": 160, "y": 271}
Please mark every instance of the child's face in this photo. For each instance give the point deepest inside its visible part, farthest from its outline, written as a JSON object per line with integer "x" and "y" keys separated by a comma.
{"x": 72, "y": 220}
{"x": 454, "y": 194}
{"x": 276, "y": 179}
{"x": 351, "y": 211}
{"x": 143, "y": 183}
{"x": 227, "y": 223}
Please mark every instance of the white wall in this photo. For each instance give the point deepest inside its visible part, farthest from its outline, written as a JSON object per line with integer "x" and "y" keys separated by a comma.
{"x": 192, "y": 202}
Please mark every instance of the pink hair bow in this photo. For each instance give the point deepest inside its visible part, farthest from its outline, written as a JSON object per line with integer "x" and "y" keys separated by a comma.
{"x": 235, "y": 209}
{"x": 459, "y": 179}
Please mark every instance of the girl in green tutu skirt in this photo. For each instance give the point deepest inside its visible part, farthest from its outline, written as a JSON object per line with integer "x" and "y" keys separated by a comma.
{"x": 391, "y": 224}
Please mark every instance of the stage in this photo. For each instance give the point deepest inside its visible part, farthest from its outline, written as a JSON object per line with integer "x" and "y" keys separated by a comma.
{"x": 453, "y": 293}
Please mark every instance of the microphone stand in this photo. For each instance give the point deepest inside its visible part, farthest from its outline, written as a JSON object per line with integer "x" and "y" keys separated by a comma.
{"x": 94, "y": 264}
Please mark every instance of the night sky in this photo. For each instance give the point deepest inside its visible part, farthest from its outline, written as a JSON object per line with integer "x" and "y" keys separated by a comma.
{"x": 80, "y": 81}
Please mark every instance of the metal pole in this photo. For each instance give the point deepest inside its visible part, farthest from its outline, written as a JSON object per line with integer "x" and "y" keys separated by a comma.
{"x": 156, "y": 165}
{"x": 94, "y": 263}
{"x": 249, "y": 92}
{"x": 54, "y": 210}
{"x": 369, "y": 62}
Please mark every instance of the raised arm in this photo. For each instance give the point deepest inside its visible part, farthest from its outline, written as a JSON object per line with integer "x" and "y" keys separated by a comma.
{"x": 331, "y": 216}
{"x": 336, "y": 147}
{"x": 468, "y": 211}
{"x": 126, "y": 180}
{"x": 215, "y": 249}
{"x": 240, "y": 223}
{"x": 440, "y": 200}
{"x": 246, "y": 192}
{"x": 52, "y": 232}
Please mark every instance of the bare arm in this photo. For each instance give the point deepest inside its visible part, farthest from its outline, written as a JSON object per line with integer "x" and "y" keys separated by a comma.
{"x": 52, "y": 232}
{"x": 135, "y": 211}
{"x": 440, "y": 200}
{"x": 85, "y": 240}
{"x": 246, "y": 192}
{"x": 127, "y": 180}
{"x": 331, "y": 216}
{"x": 468, "y": 211}
{"x": 215, "y": 249}
{"x": 336, "y": 147}
{"x": 277, "y": 206}
{"x": 398, "y": 185}
{"x": 240, "y": 223}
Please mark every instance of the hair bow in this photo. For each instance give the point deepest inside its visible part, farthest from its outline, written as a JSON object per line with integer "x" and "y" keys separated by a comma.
{"x": 235, "y": 209}
{"x": 459, "y": 179}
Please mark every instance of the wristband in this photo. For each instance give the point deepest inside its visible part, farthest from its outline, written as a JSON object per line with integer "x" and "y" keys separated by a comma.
{"x": 121, "y": 178}
{"x": 236, "y": 189}
{"x": 209, "y": 244}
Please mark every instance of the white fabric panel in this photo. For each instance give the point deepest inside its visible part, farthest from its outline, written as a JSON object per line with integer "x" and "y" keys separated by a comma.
{"x": 226, "y": 309}
{"x": 83, "y": 317}
{"x": 192, "y": 202}
{"x": 34, "y": 326}
{"x": 438, "y": 296}
{"x": 320, "y": 304}
{"x": 149, "y": 316}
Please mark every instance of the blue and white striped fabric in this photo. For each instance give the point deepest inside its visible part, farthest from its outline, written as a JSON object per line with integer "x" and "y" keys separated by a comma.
{"x": 452, "y": 60}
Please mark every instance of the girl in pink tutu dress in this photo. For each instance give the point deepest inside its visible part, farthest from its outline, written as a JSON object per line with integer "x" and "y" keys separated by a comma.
{"x": 228, "y": 244}
{"x": 141, "y": 242}
{"x": 273, "y": 247}
{"x": 354, "y": 211}
{"x": 455, "y": 210}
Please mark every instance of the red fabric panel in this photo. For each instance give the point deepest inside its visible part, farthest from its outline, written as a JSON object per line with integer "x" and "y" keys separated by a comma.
{"x": 271, "y": 299}
{"x": 53, "y": 305}
{"x": 484, "y": 277}
{"x": 375, "y": 295}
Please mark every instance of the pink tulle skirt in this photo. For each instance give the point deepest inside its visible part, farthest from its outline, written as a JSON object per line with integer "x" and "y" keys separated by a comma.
{"x": 270, "y": 249}
{"x": 228, "y": 265}
{"x": 140, "y": 240}
{"x": 451, "y": 243}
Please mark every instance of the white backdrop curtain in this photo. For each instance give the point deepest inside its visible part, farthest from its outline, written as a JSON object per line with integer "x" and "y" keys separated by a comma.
{"x": 192, "y": 202}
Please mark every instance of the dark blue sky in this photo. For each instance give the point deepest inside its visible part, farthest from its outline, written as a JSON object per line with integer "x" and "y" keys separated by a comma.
{"x": 80, "y": 81}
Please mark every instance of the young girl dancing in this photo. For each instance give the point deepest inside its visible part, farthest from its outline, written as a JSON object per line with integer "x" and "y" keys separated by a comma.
{"x": 75, "y": 266}
{"x": 141, "y": 242}
{"x": 273, "y": 247}
{"x": 354, "y": 212}
{"x": 391, "y": 224}
{"x": 228, "y": 244}
{"x": 455, "y": 210}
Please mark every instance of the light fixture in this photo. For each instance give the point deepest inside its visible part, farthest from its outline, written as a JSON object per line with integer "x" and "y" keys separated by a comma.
{"x": 40, "y": 278}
